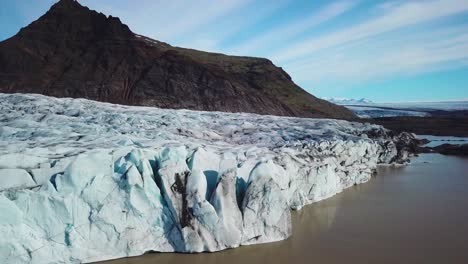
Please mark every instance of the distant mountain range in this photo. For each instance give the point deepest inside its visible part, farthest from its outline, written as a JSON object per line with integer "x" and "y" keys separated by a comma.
{"x": 367, "y": 109}
{"x": 348, "y": 101}
{"x": 72, "y": 51}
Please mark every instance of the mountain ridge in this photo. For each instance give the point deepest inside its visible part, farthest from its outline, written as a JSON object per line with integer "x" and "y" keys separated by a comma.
{"x": 347, "y": 101}
{"x": 72, "y": 51}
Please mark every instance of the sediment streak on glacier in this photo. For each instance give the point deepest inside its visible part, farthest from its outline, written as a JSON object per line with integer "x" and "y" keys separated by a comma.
{"x": 82, "y": 181}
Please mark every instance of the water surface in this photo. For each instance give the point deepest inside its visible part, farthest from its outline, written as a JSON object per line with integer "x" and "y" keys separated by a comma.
{"x": 439, "y": 140}
{"x": 409, "y": 214}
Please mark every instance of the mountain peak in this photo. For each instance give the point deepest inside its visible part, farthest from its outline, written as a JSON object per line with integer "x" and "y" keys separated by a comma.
{"x": 67, "y": 3}
{"x": 68, "y": 19}
{"x": 72, "y": 51}
{"x": 67, "y": 6}
{"x": 349, "y": 101}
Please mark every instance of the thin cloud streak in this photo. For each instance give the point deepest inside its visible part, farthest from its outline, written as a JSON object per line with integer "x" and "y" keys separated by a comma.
{"x": 292, "y": 29}
{"x": 195, "y": 14}
{"x": 212, "y": 38}
{"x": 401, "y": 16}
{"x": 168, "y": 20}
{"x": 446, "y": 49}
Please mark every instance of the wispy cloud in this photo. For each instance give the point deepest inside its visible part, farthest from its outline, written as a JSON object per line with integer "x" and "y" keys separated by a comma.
{"x": 212, "y": 37}
{"x": 384, "y": 57}
{"x": 192, "y": 14}
{"x": 409, "y": 13}
{"x": 168, "y": 20}
{"x": 203, "y": 24}
{"x": 292, "y": 29}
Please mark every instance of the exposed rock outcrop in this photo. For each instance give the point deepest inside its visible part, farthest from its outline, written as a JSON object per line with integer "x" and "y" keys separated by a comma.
{"x": 450, "y": 149}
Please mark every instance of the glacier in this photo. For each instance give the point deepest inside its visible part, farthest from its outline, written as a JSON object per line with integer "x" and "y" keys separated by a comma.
{"x": 84, "y": 181}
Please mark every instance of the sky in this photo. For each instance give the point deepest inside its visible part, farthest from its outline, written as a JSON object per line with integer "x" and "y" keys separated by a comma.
{"x": 385, "y": 51}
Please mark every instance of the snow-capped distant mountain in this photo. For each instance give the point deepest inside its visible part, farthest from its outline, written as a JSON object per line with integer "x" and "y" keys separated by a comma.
{"x": 371, "y": 111}
{"x": 367, "y": 109}
{"x": 349, "y": 101}
{"x": 429, "y": 106}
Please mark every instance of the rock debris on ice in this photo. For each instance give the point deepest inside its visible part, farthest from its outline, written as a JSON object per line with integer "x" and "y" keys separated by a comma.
{"x": 82, "y": 181}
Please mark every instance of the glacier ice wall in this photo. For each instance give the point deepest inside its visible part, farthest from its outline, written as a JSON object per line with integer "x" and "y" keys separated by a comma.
{"x": 82, "y": 181}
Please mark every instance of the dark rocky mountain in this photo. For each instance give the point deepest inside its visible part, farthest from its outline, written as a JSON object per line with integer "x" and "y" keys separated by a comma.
{"x": 72, "y": 51}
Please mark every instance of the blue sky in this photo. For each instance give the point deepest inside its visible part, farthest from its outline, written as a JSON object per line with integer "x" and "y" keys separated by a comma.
{"x": 401, "y": 50}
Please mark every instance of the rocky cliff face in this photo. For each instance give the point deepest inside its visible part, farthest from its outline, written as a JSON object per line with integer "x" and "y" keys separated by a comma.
{"x": 72, "y": 51}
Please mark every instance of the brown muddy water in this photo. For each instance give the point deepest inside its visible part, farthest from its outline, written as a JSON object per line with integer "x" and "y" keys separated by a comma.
{"x": 410, "y": 214}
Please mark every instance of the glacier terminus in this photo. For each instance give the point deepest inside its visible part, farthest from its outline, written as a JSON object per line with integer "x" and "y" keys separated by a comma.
{"x": 83, "y": 181}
